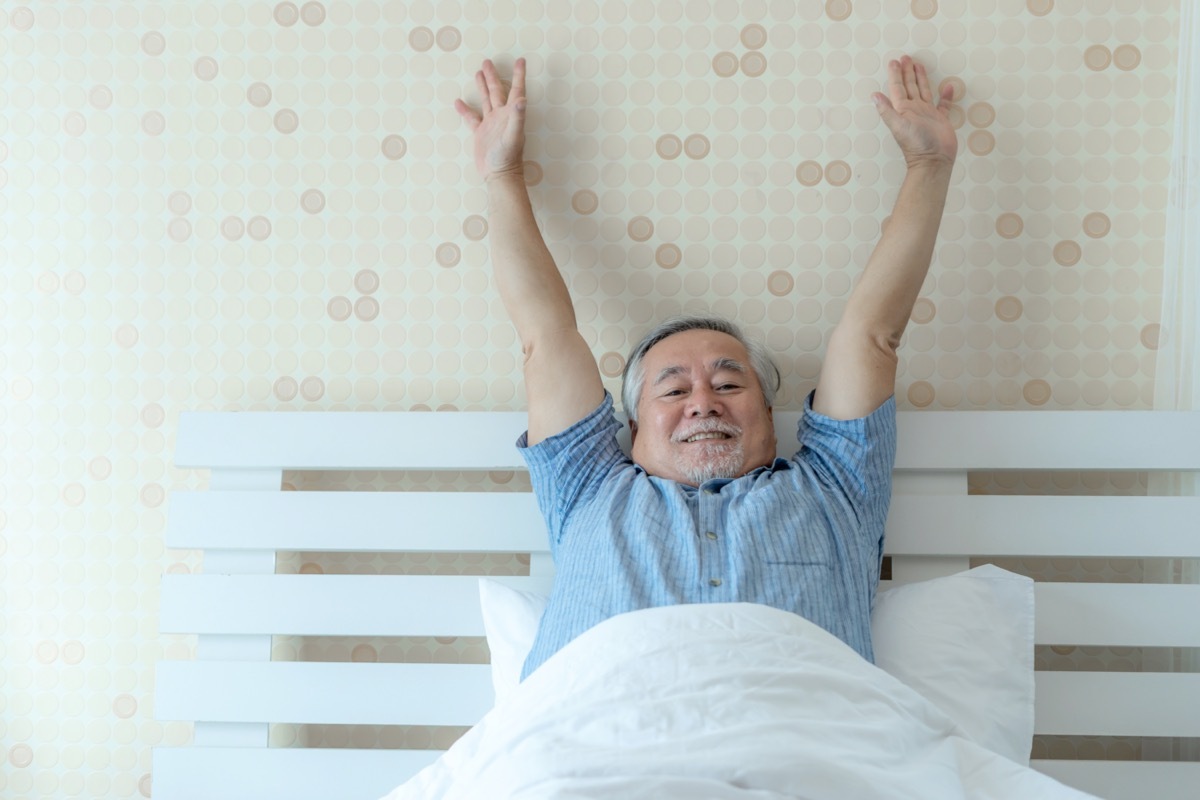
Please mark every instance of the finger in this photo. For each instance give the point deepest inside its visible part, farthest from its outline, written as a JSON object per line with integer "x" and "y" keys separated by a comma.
{"x": 947, "y": 95}
{"x": 910, "y": 79}
{"x": 895, "y": 82}
{"x": 887, "y": 111}
{"x": 468, "y": 114}
{"x": 518, "y": 82}
{"x": 485, "y": 102}
{"x": 516, "y": 121}
{"x": 923, "y": 83}
{"x": 493, "y": 82}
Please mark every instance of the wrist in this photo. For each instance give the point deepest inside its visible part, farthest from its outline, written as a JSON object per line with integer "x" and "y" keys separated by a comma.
{"x": 514, "y": 175}
{"x": 934, "y": 166}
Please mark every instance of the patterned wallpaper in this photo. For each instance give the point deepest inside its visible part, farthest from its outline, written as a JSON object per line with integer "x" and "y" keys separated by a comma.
{"x": 260, "y": 205}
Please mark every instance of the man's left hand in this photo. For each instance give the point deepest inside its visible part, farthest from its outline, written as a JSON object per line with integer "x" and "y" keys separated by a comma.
{"x": 920, "y": 126}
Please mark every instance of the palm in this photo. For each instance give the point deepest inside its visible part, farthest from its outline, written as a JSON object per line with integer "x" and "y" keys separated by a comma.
{"x": 921, "y": 128}
{"x": 499, "y": 130}
{"x": 495, "y": 152}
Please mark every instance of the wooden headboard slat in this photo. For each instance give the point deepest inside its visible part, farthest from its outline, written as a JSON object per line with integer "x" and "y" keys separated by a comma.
{"x": 202, "y": 773}
{"x": 510, "y": 522}
{"x": 928, "y": 440}
{"x": 1100, "y": 614}
{"x": 321, "y": 692}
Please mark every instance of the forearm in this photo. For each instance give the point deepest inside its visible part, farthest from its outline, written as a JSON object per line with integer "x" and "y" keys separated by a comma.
{"x": 530, "y": 284}
{"x": 883, "y": 299}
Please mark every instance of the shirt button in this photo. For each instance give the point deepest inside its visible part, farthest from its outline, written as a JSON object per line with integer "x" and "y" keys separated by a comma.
{"x": 714, "y": 582}
{"x": 711, "y": 535}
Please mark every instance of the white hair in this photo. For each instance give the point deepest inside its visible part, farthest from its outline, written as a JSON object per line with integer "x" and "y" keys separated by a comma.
{"x": 634, "y": 377}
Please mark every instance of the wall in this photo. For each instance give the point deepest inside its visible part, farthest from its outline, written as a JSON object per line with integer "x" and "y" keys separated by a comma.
{"x": 250, "y": 205}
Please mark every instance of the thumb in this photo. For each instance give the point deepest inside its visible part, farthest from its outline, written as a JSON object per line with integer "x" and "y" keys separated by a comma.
{"x": 887, "y": 112}
{"x": 883, "y": 105}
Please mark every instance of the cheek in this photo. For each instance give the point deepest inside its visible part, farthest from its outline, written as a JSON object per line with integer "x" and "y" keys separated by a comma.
{"x": 765, "y": 434}
{"x": 660, "y": 428}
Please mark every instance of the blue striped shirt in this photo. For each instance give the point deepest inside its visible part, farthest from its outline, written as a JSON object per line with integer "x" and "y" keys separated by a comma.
{"x": 804, "y": 534}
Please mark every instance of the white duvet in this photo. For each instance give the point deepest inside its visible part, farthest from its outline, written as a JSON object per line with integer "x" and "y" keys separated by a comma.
{"x": 736, "y": 701}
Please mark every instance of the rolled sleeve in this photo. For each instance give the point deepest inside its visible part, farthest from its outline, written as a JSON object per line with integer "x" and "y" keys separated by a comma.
{"x": 567, "y": 468}
{"x": 855, "y": 456}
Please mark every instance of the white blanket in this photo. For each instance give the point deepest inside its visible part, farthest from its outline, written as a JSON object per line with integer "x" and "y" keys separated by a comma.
{"x": 734, "y": 701}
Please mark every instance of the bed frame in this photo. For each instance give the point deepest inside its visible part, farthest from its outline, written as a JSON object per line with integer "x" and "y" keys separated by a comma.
{"x": 233, "y": 690}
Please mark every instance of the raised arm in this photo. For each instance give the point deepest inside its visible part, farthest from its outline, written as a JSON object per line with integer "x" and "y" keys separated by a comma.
{"x": 859, "y": 371}
{"x": 562, "y": 381}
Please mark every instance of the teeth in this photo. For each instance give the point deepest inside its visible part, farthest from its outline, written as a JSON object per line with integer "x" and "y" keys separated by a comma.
{"x": 710, "y": 435}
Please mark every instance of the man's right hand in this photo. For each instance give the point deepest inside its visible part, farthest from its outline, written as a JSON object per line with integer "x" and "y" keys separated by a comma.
{"x": 500, "y": 129}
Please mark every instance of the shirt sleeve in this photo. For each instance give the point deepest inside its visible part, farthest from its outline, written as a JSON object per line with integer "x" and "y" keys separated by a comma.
{"x": 568, "y": 468}
{"x": 855, "y": 457}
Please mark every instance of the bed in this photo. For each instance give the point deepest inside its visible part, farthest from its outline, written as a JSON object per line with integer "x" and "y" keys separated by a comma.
{"x": 232, "y": 691}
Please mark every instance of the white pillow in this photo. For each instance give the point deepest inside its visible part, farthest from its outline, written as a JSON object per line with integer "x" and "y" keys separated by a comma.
{"x": 510, "y": 620}
{"x": 965, "y": 642}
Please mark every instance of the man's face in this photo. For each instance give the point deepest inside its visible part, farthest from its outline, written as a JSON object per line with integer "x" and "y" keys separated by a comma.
{"x": 701, "y": 382}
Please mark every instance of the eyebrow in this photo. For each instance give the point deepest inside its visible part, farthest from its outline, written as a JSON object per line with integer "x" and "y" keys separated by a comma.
{"x": 720, "y": 364}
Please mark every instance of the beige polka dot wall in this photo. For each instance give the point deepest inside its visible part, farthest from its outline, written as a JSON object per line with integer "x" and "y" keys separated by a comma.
{"x": 259, "y": 205}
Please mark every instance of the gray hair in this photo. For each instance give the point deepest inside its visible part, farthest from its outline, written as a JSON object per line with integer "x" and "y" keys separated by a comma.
{"x": 634, "y": 377}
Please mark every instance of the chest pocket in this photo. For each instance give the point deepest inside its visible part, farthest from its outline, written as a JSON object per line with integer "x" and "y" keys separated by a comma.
{"x": 786, "y": 534}
{"x": 796, "y": 585}
{"x": 805, "y": 542}
{"x": 797, "y": 549}
{"x": 796, "y": 562}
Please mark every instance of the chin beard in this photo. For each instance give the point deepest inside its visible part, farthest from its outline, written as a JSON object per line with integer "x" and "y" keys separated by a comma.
{"x": 712, "y": 462}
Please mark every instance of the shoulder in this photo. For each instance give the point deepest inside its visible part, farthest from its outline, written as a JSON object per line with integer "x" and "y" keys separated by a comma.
{"x": 855, "y": 455}
{"x": 601, "y": 421}
{"x": 881, "y": 422}
{"x": 576, "y": 464}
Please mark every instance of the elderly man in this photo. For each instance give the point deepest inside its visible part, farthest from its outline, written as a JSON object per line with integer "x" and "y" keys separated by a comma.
{"x": 704, "y": 512}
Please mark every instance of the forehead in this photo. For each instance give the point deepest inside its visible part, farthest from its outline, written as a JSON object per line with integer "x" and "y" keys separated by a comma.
{"x": 694, "y": 348}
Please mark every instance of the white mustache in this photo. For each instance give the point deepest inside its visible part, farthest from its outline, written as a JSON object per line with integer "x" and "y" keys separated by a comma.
{"x": 729, "y": 430}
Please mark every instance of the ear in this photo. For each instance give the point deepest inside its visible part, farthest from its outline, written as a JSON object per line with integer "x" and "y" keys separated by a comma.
{"x": 632, "y": 431}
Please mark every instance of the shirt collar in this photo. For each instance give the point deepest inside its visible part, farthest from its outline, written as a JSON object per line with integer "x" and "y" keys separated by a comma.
{"x": 718, "y": 483}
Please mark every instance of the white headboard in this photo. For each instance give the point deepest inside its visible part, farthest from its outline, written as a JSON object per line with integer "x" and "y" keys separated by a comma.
{"x": 232, "y": 691}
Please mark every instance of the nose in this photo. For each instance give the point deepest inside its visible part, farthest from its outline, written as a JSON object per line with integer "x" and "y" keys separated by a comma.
{"x": 704, "y": 402}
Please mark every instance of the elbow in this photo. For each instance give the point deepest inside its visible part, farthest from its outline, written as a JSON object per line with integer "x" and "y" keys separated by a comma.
{"x": 884, "y": 341}
{"x": 551, "y": 338}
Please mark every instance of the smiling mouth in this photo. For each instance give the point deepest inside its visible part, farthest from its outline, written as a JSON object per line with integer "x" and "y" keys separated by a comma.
{"x": 701, "y": 437}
